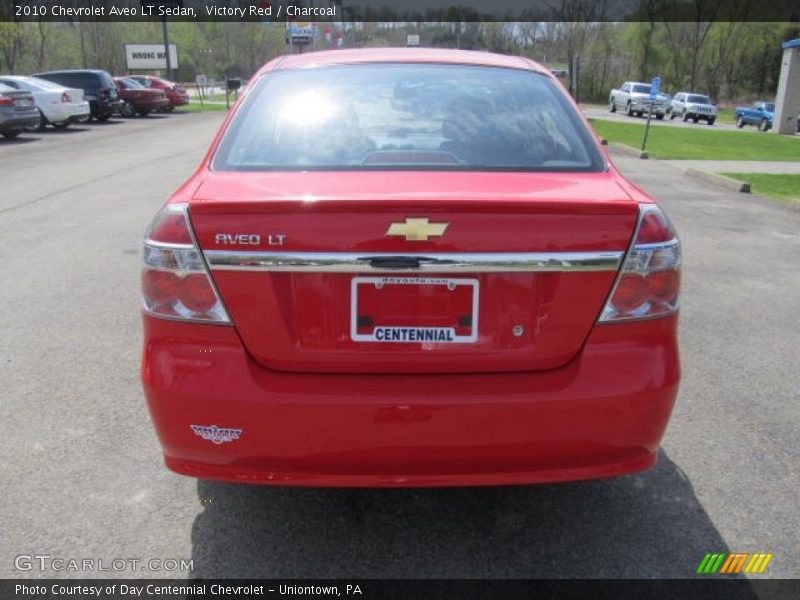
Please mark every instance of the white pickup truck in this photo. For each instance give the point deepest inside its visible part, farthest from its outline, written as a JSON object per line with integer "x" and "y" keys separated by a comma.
{"x": 634, "y": 99}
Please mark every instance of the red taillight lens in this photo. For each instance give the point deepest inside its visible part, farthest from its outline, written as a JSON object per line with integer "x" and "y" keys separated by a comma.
{"x": 6, "y": 100}
{"x": 170, "y": 228}
{"x": 631, "y": 292}
{"x": 196, "y": 293}
{"x": 175, "y": 281}
{"x": 649, "y": 283}
{"x": 663, "y": 285}
{"x": 654, "y": 228}
{"x": 66, "y": 98}
{"x": 160, "y": 287}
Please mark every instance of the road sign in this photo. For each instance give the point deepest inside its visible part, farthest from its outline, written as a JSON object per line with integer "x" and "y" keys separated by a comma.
{"x": 412, "y": 39}
{"x": 655, "y": 84}
{"x": 201, "y": 80}
{"x": 150, "y": 56}
{"x": 300, "y": 32}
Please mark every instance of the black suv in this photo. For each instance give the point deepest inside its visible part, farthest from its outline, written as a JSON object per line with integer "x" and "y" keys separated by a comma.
{"x": 98, "y": 88}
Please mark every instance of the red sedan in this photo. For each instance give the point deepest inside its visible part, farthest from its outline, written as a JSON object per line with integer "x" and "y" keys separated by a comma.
{"x": 409, "y": 267}
{"x": 137, "y": 99}
{"x": 176, "y": 93}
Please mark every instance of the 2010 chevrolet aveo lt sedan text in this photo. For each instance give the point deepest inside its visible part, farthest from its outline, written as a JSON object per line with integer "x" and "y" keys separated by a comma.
{"x": 409, "y": 267}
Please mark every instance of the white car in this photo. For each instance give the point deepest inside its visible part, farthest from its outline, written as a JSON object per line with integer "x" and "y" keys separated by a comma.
{"x": 58, "y": 105}
{"x": 689, "y": 105}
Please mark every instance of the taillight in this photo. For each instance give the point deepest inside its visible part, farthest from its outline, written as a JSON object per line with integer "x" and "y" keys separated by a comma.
{"x": 176, "y": 283}
{"x": 66, "y": 98}
{"x": 648, "y": 284}
{"x": 6, "y": 100}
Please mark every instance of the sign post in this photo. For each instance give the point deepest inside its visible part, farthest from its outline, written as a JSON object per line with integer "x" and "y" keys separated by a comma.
{"x": 655, "y": 84}
{"x": 164, "y": 4}
{"x": 201, "y": 81}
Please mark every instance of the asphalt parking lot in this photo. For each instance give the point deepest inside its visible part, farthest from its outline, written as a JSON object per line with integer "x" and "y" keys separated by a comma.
{"x": 82, "y": 475}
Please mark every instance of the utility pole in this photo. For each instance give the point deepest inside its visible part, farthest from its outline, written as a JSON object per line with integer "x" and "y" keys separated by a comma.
{"x": 166, "y": 47}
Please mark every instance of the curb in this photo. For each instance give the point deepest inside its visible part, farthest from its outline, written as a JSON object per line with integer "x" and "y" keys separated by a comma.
{"x": 627, "y": 150}
{"x": 727, "y": 182}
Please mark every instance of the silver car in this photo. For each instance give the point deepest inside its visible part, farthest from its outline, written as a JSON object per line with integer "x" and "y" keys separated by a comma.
{"x": 58, "y": 105}
{"x": 689, "y": 105}
{"x": 17, "y": 112}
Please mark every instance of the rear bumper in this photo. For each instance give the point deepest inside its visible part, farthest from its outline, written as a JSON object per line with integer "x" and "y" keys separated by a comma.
{"x": 104, "y": 107}
{"x": 601, "y": 415}
{"x": 150, "y": 104}
{"x": 13, "y": 120}
{"x": 639, "y": 104}
{"x": 67, "y": 112}
{"x": 178, "y": 99}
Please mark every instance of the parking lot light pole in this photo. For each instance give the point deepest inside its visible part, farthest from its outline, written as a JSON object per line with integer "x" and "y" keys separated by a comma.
{"x": 166, "y": 47}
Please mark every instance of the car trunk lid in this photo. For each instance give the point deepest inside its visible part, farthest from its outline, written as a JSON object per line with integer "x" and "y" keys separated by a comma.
{"x": 328, "y": 272}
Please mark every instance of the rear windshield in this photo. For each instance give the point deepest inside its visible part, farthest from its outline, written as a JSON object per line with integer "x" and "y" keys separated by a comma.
{"x": 106, "y": 80}
{"x": 42, "y": 84}
{"x": 86, "y": 81}
{"x": 699, "y": 99}
{"x": 407, "y": 117}
{"x": 132, "y": 84}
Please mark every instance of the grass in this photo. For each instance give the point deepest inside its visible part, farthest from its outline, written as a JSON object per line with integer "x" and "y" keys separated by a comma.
{"x": 701, "y": 144}
{"x": 781, "y": 187}
{"x": 195, "y": 106}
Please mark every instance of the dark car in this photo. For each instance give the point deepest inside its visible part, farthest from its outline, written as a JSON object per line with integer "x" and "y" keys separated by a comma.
{"x": 97, "y": 85}
{"x": 139, "y": 99}
{"x": 17, "y": 112}
{"x": 176, "y": 93}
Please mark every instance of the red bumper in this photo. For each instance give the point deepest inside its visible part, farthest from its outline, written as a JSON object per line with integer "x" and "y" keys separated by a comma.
{"x": 177, "y": 99}
{"x": 602, "y": 415}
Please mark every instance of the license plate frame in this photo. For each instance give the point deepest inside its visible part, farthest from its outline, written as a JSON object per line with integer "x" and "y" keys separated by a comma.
{"x": 437, "y": 335}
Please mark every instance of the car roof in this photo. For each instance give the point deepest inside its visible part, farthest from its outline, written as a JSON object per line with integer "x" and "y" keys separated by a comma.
{"x": 71, "y": 71}
{"x": 402, "y": 55}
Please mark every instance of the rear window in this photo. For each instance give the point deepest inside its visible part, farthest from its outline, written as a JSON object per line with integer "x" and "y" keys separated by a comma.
{"x": 131, "y": 84}
{"x": 86, "y": 81}
{"x": 410, "y": 116}
{"x": 44, "y": 84}
{"x": 106, "y": 80}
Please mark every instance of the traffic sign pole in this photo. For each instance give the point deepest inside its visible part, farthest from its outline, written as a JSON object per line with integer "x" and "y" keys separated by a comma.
{"x": 655, "y": 84}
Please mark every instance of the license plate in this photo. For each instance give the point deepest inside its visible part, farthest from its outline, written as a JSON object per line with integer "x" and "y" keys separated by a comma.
{"x": 414, "y": 310}
{"x": 23, "y": 103}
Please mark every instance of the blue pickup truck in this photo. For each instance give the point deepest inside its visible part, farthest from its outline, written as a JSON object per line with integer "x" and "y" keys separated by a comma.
{"x": 761, "y": 114}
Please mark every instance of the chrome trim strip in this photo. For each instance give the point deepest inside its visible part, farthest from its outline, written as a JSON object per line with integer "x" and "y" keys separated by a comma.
{"x": 347, "y": 262}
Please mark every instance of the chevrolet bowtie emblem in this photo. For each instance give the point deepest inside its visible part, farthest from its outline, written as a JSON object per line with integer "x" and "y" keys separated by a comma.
{"x": 417, "y": 230}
